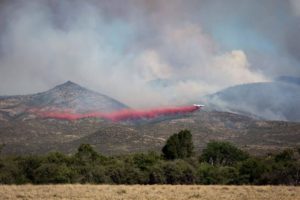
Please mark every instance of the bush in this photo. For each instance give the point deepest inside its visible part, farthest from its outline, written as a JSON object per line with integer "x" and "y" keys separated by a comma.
{"x": 179, "y": 172}
{"x": 222, "y": 153}
{"x": 156, "y": 175}
{"x": 251, "y": 171}
{"x": 53, "y": 173}
{"x": 207, "y": 174}
{"x": 90, "y": 174}
{"x": 285, "y": 156}
{"x": 11, "y": 172}
{"x": 144, "y": 161}
{"x": 228, "y": 175}
{"x": 28, "y": 166}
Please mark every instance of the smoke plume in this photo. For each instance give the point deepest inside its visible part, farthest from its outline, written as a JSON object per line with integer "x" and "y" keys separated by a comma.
{"x": 146, "y": 53}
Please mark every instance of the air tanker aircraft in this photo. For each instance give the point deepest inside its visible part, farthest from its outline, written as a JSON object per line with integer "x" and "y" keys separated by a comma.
{"x": 198, "y": 105}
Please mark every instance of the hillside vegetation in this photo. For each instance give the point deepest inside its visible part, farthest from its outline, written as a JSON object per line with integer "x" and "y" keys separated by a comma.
{"x": 40, "y": 136}
{"x": 219, "y": 163}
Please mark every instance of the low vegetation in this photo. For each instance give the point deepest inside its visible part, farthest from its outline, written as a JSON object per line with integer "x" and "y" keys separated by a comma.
{"x": 219, "y": 163}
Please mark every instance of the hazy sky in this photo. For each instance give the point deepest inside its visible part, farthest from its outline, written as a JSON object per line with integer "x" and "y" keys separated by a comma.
{"x": 147, "y": 52}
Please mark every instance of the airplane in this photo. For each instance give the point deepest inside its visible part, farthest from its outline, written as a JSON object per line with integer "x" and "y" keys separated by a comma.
{"x": 198, "y": 105}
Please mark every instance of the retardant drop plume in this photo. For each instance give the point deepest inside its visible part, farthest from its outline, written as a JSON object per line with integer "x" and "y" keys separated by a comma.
{"x": 122, "y": 115}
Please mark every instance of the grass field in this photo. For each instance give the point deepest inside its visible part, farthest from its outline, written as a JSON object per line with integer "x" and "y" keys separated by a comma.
{"x": 157, "y": 192}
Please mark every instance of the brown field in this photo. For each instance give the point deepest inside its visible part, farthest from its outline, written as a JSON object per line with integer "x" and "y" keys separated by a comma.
{"x": 157, "y": 192}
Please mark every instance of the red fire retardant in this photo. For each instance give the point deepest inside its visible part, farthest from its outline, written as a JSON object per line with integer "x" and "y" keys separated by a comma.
{"x": 123, "y": 115}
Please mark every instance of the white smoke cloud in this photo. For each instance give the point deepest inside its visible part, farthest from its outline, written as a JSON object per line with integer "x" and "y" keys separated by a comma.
{"x": 109, "y": 56}
{"x": 233, "y": 68}
{"x": 150, "y": 66}
{"x": 200, "y": 68}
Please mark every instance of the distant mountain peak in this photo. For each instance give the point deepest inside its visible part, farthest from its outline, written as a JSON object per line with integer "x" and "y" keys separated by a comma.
{"x": 70, "y": 95}
{"x": 69, "y": 85}
{"x": 66, "y": 96}
{"x": 289, "y": 79}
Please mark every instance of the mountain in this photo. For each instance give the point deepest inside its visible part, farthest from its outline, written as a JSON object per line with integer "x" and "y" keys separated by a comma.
{"x": 22, "y": 132}
{"x": 39, "y": 136}
{"x": 67, "y": 96}
{"x": 278, "y": 100}
{"x": 289, "y": 79}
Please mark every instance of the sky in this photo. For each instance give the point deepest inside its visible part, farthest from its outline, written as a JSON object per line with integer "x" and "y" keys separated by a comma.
{"x": 147, "y": 53}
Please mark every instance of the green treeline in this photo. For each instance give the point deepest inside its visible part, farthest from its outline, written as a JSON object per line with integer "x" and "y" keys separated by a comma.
{"x": 219, "y": 163}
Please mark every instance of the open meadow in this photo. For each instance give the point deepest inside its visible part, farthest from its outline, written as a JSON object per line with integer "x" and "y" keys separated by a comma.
{"x": 157, "y": 192}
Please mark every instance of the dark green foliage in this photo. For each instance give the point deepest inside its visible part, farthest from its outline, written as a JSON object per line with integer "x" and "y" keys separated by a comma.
{"x": 179, "y": 146}
{"x": 125, "y": 173}
{"x": 11, "y": 172}
{"x": 179, "y": 172}
{"x": 28, "y": 165}
{"x": 86, "y": 153}
{"x": 285, "y": 168}
{"x": 90, "y": 174}
{"x": 156, "y": 175}
{"x": 170, "y": 150}
{"x": 208, "y": 174}
{"x": 53, "y": 173}
{"x": 251, "y": 171}
{"x": 228, "y": 175}
{"x": 222, "y": 153}
{"x": 116, "y": 172}
{"x": 220, "y": 163}
{"x": 144, "y": 161}
{"x": 286, "y": 155}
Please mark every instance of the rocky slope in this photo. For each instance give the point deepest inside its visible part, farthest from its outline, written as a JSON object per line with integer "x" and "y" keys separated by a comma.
{"x": 67, "y": 96}
{"x": 279, "y": 100}
{"x": 44, "y": 135}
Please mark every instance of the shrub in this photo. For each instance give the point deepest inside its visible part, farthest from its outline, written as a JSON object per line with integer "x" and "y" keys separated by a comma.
{"x": 222, "y": 153}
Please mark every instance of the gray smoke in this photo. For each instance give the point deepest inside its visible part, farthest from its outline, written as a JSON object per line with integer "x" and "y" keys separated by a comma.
{"x": 120, "y": 48}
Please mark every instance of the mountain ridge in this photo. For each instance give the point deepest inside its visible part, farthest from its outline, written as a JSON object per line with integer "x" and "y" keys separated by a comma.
{"x": 266, "y": 100}
{"x": 66, "y": 96}
{"x": 23, "y": 133}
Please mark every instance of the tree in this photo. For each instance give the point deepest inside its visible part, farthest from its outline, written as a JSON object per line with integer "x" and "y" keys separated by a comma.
{"x": 252, "y": 171}
{"x": 222, "y": 153}
{"x": 86, "y": 154}
{"x": 179, "y": 146}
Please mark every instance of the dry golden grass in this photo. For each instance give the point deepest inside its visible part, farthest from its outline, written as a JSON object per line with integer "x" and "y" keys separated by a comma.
{"x": 157, "y": 192}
